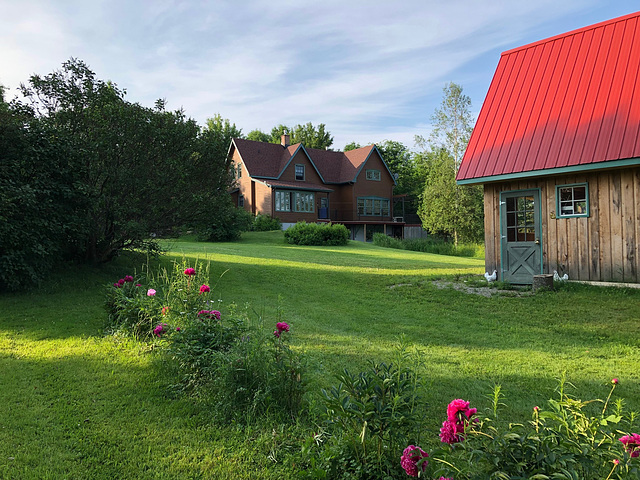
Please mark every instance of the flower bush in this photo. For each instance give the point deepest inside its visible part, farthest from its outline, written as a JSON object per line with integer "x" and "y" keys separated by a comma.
{"x": 572, "y": 439}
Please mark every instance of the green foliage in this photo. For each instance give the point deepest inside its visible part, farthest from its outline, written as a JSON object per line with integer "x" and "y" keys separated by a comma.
{"x": 308, "y": 134}
{"x": 351, "y": 146}
{"x": 446, "y": 207}
{"x": 137, "y": 171}
{"x": 370, "y": 415}
{"x": 435, "y": 245}
{"x": 41, "y": 207}
{"x": 572, "y": 440}
{"x": 258, "y": 136}
{"x": 227, "y": 225}
{"x": 266, "y": 223}
{"x": 303, "y": 233}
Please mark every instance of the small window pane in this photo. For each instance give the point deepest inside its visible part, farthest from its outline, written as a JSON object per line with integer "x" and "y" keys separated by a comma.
{"x": 573, "y": 200}
{"x": 511, "y": 204}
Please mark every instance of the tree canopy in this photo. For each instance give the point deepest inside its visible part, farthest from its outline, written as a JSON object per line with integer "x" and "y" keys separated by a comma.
{"x": 119, "y": 172}
{"x": 445, "y": 206}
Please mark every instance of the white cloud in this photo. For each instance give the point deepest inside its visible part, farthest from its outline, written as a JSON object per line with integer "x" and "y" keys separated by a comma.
{"x": 369, "y": 70}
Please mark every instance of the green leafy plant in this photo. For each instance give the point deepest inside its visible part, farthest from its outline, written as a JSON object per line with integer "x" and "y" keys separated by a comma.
{"x": 303, "y": 233}
{"x": 571, "y": 439}
{"x": 266, "y": 223}
{"x": 369, "y": 416}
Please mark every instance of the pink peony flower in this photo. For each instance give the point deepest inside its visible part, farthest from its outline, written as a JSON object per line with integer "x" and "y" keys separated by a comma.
{"x": 151, "y": 292}
{"x": 189, "y": 271}
{"x": 410, "y": 456}
{"x": 204, "y": 289}
{"x": 117, "y": 285}
{"x": 631, "y": 444}
{"x": 177, "y": 329}
{"x": 457, "y": 408}
{"x": 282, "y": 327}
{"x": 445, "y": 478}
{"x": 276, "y": 333}
{"x": 616, "y": 461}
{"x": 159, "y": 330}
{"x": 209, "y": 314}
{"x": 121, "y": 282}
{"x": 614, "y": 381}
{"x": 449, "y": 432}
{"x": 138, "y": 284}
{"x": 128, "y": 279}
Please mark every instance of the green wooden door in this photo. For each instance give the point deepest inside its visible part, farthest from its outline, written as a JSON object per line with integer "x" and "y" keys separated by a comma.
{"x": 521, "y": 257}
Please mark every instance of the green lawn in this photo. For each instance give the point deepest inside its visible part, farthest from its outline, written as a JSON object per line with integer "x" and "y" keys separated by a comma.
{"x": 77, "y": 404}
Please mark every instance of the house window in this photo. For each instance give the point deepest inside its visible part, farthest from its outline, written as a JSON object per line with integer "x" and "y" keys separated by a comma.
{"x": 241, "y": 201}
{"x": 373, "y": 175}
{"x": 239, "y": 171}
{"x": 304, "y": 202}
{"x": 572, "y": 200}
{"x": 299, "y": 172}
{"x": 373, "y": 206}
{"x": 283, "y": 201}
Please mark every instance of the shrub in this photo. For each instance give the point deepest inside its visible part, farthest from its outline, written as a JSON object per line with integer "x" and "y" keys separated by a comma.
{"x": 429, "y": 245}
{"x": 229, "y": 224}
{"x": 303, "y": 233}
{"x": 266, "y": 223}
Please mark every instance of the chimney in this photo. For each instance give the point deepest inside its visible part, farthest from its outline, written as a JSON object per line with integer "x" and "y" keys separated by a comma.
{"x": 285, "y": 140}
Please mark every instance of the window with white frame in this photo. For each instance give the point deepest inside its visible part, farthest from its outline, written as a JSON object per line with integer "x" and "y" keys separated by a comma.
{"x": 283, "y": 201}
{"x": 239, "y": 171}
{"x": 299, "y": 172}
{"x": 572, "y": 200}
{"x": 373, "y": 206}
{"x": 373, "y": 175}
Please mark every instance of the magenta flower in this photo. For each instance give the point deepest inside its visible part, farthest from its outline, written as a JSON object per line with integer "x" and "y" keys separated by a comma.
{"x": 138, "y": 284}
{"x": 614, "y": 381}
{"x": 282, "y": 327}
{"x": 449, "y": 433}
{"x": 204, "y": 289}
{"x": 151, "y": 292}
{"x": 410, "y": 457}
{"x": 631, "y": 444}
{"x": 117, "y": 285}
{"x": 445, "y": 478}
{"x": 159, "y": 330}
{"x": 189, "y": 271}
{"x": 616, "y": 461}
{"x": 457, "y": 408}
{"x": 128, "y": 279}
{"x": 121, "y": 282}
{"x": 276, "y": 333}
{"x": 177, "y": 329}
{"x": 210, "y": 314}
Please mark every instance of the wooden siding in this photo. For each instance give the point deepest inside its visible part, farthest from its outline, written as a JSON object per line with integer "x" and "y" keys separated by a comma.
{"x": 601, "y": 247}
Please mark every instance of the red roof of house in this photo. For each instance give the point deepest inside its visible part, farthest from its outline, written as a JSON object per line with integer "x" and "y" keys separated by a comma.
{"x": 572, "y": 100}
{"x": 268, "y": 160}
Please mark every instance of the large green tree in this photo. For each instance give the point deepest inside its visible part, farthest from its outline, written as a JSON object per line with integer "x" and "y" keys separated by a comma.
{"x": 141, "y": 170}
{"x": 446, "y": 207}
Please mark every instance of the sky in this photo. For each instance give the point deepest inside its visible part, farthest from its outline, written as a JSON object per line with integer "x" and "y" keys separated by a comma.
{"x": 369, "y": 70}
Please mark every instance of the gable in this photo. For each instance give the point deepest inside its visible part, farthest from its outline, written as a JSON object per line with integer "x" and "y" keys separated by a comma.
{"x": 567, "y": 103}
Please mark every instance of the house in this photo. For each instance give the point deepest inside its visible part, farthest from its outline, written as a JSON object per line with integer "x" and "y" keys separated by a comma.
{"x": 557, "y": 148}
{"x": 295, "y": 183}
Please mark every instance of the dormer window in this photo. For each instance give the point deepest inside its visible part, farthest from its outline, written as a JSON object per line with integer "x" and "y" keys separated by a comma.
{"x": 299, "y": 172}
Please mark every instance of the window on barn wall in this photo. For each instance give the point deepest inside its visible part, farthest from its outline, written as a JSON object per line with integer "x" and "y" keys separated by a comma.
{"x": 572, "y": 200}
{"x": 299, "y": 172}
{"x": 521, "y": 219}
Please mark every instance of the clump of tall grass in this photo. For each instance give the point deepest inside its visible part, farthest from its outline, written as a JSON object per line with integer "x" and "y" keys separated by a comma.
{"x": 430, "y": 245}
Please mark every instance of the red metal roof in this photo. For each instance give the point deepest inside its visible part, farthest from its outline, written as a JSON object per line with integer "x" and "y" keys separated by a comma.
{"x": 568, "y": 101}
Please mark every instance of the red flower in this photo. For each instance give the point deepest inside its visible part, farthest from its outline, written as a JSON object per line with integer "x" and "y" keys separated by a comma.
{"x": 204, "y": 289}
{"x": 190, "y": 271}
{"x": 282, "y": 327}
{"x": 128, "y": 279}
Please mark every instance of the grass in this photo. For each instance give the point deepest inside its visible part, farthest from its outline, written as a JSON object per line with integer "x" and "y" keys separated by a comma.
{"x": 78, "y": 404}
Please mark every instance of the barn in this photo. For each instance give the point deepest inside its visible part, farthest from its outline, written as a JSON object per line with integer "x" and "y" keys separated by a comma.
{"x": 557, "y": 148}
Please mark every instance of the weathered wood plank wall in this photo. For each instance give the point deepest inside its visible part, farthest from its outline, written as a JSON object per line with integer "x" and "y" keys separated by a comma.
{"x": 601, "y": 247}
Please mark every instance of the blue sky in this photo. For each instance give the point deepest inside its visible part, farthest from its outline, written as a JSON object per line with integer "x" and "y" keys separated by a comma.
{"x": 369, "y": 70}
